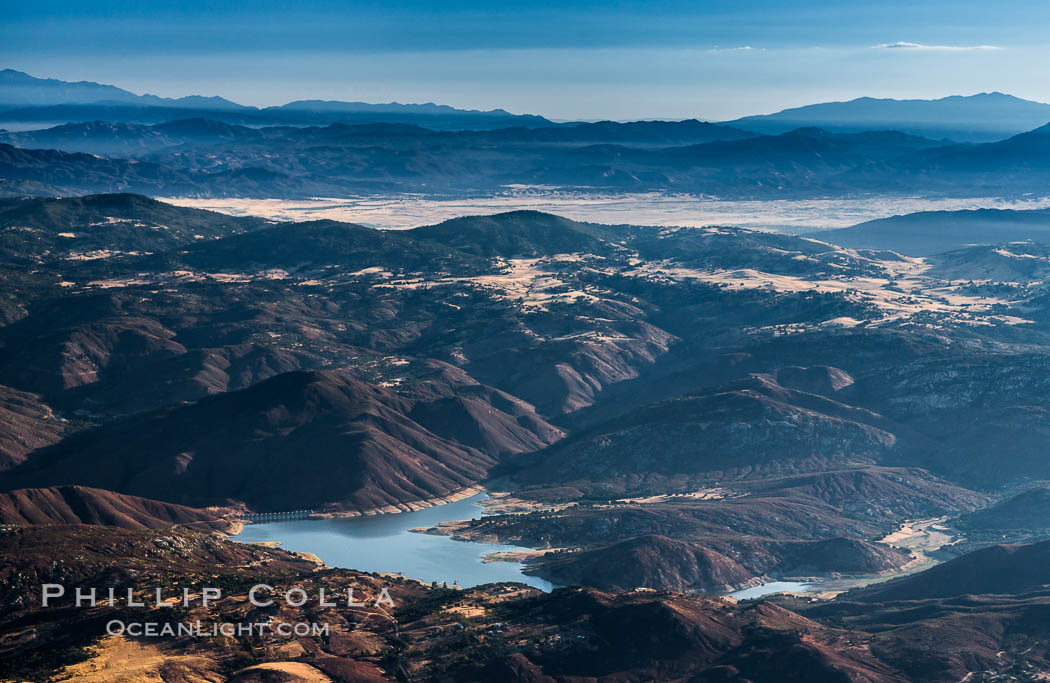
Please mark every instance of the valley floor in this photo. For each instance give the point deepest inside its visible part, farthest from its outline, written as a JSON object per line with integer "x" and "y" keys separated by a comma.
{"x": 401, "y": 212}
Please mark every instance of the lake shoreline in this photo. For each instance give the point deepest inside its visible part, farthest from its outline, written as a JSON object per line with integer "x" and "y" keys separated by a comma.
{"x": 388, "y": 543}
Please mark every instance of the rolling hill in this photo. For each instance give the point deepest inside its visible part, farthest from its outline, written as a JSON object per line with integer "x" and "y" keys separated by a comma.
{"x": 649, "y": 561}
{"x": 82, "y": 505}
{"x": 931, "y": 232}
{"x": 34, "y": 229}
{"x": 518, "y": 234}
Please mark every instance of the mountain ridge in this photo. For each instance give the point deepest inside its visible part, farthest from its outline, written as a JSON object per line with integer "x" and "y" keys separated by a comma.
{"x": 983, "y": 117}
{"x": 26, "y": 98}
{"x": 84, "y": 505}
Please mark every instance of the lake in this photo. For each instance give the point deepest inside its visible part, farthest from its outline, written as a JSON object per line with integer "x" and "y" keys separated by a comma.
{"x": 383, "y": 543}
{"x": 771, "y": 588}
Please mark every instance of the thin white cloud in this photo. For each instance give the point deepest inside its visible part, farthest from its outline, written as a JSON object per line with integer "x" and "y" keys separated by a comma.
{"x": 742, "y": 48}
{"x": 902, "y": 45}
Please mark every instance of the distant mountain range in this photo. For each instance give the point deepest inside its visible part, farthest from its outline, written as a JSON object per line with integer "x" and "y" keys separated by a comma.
{"x": 24, "y": 98}
{"x": 211, "y": 147}
{"x": 116, "y": 139}
{"x": 975, "y": 118}
{"x": 212, "y": 159}
{"x": 29, "y": 102}
{"x": 204, "y": 157}
{"x": 18, "y": 89}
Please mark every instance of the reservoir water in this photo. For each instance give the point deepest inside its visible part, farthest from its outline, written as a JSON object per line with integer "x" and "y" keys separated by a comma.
{"x": 383, "y": 543}
{"x": 771, "y": 588}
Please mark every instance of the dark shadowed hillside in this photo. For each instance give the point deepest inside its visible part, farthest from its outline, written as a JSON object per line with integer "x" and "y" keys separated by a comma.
{"x": 747, "y": 426}
{"x": 299, "y": 440}
{"x": 648, "y": 562}
{"x": 710, "y": 565}
{"x": 1027, "y": 510}
{"x": 998, "y": 569}
{"x": 26, "y": 423}
{"x": 841, "y": 555}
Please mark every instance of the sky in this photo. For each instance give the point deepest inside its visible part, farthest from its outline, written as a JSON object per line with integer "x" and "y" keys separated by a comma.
{"x": 709, "y": 59}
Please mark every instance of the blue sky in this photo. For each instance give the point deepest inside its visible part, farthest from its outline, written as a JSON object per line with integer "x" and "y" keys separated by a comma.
{"x": 667, "y": 58}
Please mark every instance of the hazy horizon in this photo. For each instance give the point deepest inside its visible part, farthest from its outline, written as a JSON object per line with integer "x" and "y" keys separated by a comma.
{"x": 270, "y": 102}
{"x": 579, "y": 61}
